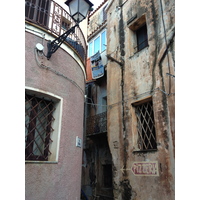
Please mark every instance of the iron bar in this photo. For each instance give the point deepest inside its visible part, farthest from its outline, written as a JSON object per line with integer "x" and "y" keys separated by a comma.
{"x": 49, "y": 16}
{"x": 38, "y": 127}
{"x": 55, "y": 44}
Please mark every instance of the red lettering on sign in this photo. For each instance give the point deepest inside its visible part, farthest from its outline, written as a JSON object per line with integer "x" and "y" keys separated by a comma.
{"x": 145, "y": 168}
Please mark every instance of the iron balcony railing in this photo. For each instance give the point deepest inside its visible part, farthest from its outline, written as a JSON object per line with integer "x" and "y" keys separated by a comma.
{"x": 56, "y": 20}
{"x": 96, "y": 124}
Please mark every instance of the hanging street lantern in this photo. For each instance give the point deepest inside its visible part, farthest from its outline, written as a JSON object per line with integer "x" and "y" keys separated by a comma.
{"x": 78, "y": 11}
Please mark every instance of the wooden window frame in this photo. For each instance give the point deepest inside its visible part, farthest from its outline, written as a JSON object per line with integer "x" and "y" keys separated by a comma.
{"x": 137, "y": 25}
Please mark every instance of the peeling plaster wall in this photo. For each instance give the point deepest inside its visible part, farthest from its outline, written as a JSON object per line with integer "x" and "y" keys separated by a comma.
{"x": 139, "y": 74}
{"x": 96, "y": 20}
{"x": 61, "y": 180}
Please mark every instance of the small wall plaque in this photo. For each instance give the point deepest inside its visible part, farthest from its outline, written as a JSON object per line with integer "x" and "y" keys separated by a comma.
{"x": 78, "y": 142}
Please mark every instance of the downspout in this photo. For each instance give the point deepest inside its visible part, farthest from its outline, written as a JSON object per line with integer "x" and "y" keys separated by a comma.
{"x": 122, "y": 54}
{"x": 126, "y": 192}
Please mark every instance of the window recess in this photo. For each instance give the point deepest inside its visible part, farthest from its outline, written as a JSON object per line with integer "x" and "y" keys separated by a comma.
{"x": 43, "y": 116}
{"x": 146, "y": 133}
{"x": 139, "y": 28}
{"x": 97, "y": 44}
{"x": 142, "y": 39}
{"x": 38, "y": 127}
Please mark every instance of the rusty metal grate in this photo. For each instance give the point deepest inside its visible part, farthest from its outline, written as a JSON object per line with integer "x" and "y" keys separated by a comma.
{"x": 146, "y": 126}
{"x": 38, "y": 127}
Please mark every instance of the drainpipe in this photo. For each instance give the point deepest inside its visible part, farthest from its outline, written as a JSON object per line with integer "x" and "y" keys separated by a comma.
{"x": 122, "y": 54}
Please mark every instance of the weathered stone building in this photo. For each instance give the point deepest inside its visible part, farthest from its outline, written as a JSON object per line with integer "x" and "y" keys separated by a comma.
{"x": 140, "y": 95}
{"x": 140, "y": 90}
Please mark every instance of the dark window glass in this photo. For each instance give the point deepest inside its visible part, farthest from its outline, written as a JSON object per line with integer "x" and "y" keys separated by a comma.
{"x": 142, "y": 39}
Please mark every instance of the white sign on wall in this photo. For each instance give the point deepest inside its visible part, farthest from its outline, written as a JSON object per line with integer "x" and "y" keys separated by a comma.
{"x": 78, "y": 142}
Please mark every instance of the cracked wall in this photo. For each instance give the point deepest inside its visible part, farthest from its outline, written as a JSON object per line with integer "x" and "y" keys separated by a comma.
{"x": 142, "y": 74}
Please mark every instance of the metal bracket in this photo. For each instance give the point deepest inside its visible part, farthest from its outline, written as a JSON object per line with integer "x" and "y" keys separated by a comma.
{"x": 170, "y": 75}
{"x": 114, "y": 60}
{"x": 55, "y": 44}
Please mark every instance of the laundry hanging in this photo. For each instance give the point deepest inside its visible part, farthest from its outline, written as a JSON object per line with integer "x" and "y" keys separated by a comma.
{"x": 97, "y": 66}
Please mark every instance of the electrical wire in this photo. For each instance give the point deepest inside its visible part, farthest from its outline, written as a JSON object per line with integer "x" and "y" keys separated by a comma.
{"x": 40, "y": 64}
{"x": 123, "y": 3}
{"x": 161, "y": 6}
{"x": 133, "y": 97}
{"x": 37, "y": 32}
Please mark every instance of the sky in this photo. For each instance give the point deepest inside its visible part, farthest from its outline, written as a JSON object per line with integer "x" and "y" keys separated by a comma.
{"x": 96, "y": 3}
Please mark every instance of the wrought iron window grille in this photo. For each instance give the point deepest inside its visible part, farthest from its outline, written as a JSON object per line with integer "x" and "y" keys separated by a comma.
{"x": 38, "y": 127}
{"x": 146, "y": 127}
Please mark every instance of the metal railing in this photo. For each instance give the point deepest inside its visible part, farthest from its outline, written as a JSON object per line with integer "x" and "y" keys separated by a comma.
{"x": 96, "y": 124}
{"x": 56, "y": 20}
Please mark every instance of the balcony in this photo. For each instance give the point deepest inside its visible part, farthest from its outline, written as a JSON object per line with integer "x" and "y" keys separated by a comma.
{"x": 50, "y": 16}
{"x": 96, "y": 124}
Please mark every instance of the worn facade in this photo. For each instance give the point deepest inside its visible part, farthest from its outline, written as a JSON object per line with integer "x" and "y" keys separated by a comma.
{"x": 143, "y": 73}
{"x": 54, "y": 99}
{"x": 140, "y": 88}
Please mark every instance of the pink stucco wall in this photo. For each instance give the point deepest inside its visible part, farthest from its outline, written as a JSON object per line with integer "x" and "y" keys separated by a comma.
{"x": 62, "y": 180}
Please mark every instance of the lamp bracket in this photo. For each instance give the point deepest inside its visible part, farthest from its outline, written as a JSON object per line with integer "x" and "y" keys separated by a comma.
{"x": 55, "y": 44}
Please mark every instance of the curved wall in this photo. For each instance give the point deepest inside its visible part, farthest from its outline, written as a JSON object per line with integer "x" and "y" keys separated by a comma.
{"x": 63, "y": 76}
